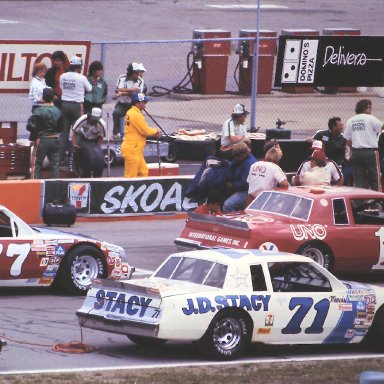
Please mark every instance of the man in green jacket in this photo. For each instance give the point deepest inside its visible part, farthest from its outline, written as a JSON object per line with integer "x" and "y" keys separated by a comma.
{"x": 45, "y": 125}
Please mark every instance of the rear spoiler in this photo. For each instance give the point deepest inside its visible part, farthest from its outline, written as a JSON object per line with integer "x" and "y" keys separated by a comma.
{"x": 219, "y": 220}
{"x": 123, "y": 286}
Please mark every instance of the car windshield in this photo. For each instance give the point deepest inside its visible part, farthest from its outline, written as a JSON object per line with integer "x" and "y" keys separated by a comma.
{"x": 284, "y": 204}
{"x": 194, "y": 270}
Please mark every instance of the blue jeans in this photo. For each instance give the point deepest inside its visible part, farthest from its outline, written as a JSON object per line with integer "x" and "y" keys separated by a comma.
{"x": 235, "y": 202}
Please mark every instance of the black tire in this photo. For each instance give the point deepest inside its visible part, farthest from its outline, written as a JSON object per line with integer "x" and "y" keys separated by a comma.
{"x": 146, "y": 342}
{"x": 228, "y": 335}
{"x": 319, "y": 252}
{"x": 112, "y": 157}
{"x": 374, "y": 339}
{"x": 80, "y": 265}
{"x": 171, "y": 157}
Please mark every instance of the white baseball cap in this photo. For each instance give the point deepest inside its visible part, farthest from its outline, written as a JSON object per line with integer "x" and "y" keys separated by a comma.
{"x": 239, "y": 109}
{"x": 135, "y": 67}
{"x": 96, "y": 112}
{"x": 76, "y": 60}
{"x": 317, "y": 144}
{"x": 142, "y": 68}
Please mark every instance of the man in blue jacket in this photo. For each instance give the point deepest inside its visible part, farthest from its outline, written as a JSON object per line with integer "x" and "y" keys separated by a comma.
{"x": 237, "y": 185}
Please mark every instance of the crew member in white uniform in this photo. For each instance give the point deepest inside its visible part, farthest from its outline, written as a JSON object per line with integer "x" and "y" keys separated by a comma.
{"x": 361, "y": 132}
{"x": 234, "y": 129}
{"x": 73, "y": 85}
{"x": 266, "y": 174}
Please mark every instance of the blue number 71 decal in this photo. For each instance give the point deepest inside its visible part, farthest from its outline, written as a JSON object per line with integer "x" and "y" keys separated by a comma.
{"x": 305, "y": 304}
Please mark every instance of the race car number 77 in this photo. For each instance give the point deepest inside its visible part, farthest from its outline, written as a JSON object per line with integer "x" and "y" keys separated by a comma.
{"x": 20, "y": 252}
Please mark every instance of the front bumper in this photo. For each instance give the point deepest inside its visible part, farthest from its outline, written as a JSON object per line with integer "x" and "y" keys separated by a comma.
{"x": 122, "y": 327}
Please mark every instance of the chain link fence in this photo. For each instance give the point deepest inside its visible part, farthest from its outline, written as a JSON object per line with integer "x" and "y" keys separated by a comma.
{"x": 174, "y": 104}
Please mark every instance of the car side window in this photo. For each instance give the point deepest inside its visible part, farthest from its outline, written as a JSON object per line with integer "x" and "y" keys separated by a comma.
{"x": 297, "y": 277}
{"x": 258, "y": 279}
{"x": 5, "y": 226}
{"x": 340, "y": 211}
{"x": 368, "y": 211}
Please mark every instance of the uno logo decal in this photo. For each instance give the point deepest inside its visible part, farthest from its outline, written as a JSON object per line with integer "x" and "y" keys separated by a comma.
{"x": 305, "y": 232}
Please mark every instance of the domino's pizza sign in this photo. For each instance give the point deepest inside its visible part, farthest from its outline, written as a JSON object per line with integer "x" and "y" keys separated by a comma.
{"x": 330, "y": 61}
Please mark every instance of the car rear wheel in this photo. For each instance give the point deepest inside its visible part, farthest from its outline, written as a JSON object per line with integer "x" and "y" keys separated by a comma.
{"x": 171, "y": 157}
{"x": 146, "y": 342}
{"x": 228, "y": 335}
{"x": 80, "y": 266}
{"x": 318, "y": 252}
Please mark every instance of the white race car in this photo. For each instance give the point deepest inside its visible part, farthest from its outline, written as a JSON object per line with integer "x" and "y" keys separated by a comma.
{"x": 224, "y": 299}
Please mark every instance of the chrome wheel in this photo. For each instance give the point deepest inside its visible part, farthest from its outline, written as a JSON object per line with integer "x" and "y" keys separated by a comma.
{"x": 316, "y": 255}
{"x": 319, "y": 252}
{"x": 84, "y": 269}
{"x": 227, "y": 334}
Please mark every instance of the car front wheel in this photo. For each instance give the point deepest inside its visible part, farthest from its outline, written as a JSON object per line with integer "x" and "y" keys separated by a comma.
{"x": 318, "y": 252}
{"x": 227, "y": 337}
{"x": 80, "y": 266}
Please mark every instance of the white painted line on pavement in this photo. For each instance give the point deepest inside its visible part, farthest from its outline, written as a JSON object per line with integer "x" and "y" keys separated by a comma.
{"x": 210, "y": 363}
{"x": 246, "y": 6}
{"x": 3, "y": 21}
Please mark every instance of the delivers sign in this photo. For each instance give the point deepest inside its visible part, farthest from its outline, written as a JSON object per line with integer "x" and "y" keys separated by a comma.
{"x": 17, "y": 58}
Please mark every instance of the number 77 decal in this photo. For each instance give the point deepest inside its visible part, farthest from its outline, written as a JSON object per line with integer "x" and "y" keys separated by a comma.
{"x": 305, "y": 304}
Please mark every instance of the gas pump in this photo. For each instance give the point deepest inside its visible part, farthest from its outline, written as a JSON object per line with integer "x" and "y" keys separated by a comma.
{"x": 210, "y": 61}
{"x": 267, "y": 53}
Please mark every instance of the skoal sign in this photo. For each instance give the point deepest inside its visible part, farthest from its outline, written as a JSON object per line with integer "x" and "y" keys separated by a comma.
{"x": 122, "y": 196}
{"x": 330, "y": 61}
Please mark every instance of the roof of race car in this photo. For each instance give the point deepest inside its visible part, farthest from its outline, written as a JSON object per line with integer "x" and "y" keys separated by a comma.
{"x": 320, "y": 191}
{"x": 233, "y": 255}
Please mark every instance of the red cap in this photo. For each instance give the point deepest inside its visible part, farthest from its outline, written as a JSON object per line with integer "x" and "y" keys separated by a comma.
{"x": 319, "y": 154}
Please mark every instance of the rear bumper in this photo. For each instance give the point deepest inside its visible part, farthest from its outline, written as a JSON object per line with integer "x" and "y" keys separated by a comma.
{"x": 123, "y": 327}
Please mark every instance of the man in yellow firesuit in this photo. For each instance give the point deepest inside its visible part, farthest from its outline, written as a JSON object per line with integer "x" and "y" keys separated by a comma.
{"x": 136, "y": 131}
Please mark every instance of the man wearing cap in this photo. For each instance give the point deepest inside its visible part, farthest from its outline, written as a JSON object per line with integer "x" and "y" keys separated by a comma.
{"x": 128, "y": 83}
{"x": 361, "y": 132}
{"x": 88, "y": 134}
{"x": 335, "y": 144}
{"x": 331, "y": 167}
{"x": 316, "y": 174}
{"x": 136, "y": 131}
{"x": 73, "y": 85}
{"x": 45, "y": 125}
{"x": 234, "y": 129}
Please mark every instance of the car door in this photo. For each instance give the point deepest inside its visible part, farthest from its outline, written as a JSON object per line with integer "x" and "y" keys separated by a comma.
{"x": 359, "y": 235}
{"x": 301, "y": 305}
